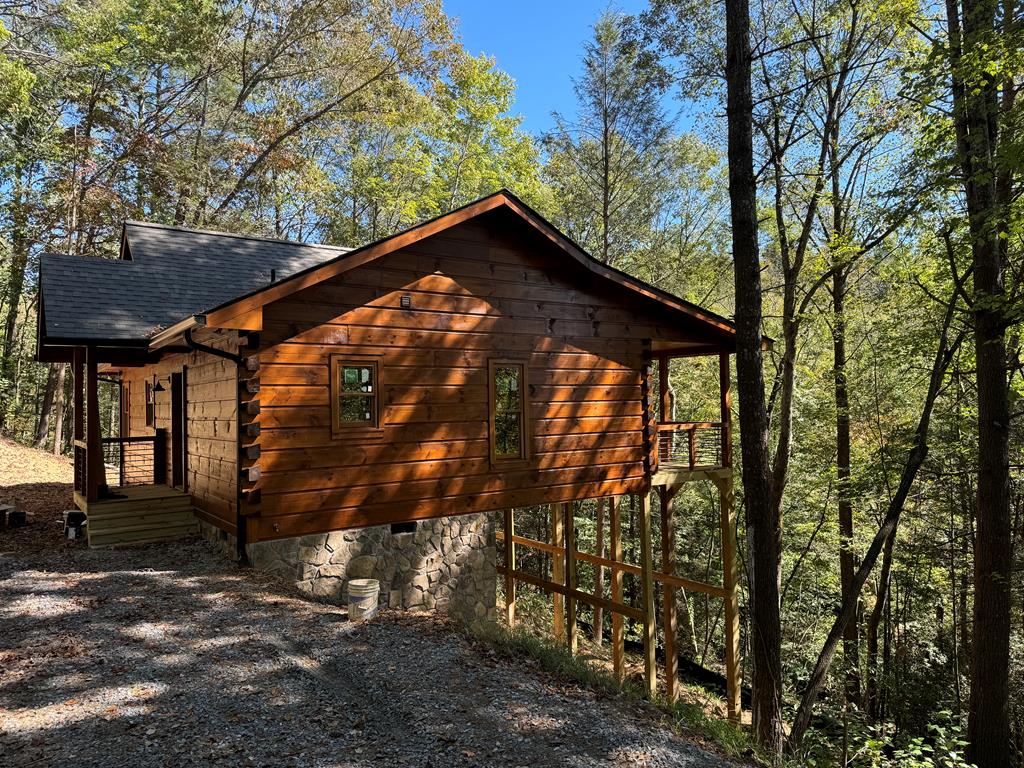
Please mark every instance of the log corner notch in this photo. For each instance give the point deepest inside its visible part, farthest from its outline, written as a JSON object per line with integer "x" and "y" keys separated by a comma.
{"x": 249, "y": 473}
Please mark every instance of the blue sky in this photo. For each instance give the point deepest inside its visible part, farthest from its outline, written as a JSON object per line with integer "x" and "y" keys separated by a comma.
{"x": 538, "y": 42}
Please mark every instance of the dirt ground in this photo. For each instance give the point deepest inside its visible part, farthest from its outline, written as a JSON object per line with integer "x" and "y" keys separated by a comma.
{"x": 167, "y": 655}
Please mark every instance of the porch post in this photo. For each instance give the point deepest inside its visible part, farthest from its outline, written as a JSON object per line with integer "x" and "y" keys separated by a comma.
{"x": 78, "y": 429}
{"x": 78, "y": 361}
{"x": 94, "y": 448}
{"x": 665, "y": 415}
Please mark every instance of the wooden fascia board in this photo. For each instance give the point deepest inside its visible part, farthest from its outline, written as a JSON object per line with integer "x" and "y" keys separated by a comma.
{"x": 243, "y": 320}
{"x": 244, "y": 309}
{"x": 597, "y": 267}
{"x": 287, "y": 287}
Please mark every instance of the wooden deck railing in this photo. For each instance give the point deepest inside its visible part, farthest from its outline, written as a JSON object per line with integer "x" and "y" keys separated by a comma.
{"x": 138, "y": 460}
{"x": 81, "y": 465}
{"x": 690, "y": 444}
{"x": 127, "y": 461}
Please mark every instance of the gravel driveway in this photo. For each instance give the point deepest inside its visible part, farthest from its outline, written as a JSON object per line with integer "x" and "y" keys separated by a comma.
{"x": 170, "y": 656}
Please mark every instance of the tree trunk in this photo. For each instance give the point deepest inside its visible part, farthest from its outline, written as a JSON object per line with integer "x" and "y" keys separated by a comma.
{"x": 43, "y": 423}
{"x": 871, "y": 701}
{"x": 18, "y": 212}
{"x": 976, "y": 121}
{"x": 816, "y": 681}
{"x": 58, "y": 425}
{"x": 763, "y": 525}
{"x": 846, "y": 559}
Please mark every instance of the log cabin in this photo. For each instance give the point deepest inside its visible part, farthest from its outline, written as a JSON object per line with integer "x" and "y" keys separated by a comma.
{"x": 328, "y": 413}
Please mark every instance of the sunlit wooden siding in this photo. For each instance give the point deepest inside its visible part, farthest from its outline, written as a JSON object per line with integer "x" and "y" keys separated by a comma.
{"x": 477, "y": 292}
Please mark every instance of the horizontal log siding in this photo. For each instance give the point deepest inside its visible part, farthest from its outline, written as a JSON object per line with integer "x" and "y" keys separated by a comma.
{"x": 475, "y": 295}
{"x": 212, "y": 446}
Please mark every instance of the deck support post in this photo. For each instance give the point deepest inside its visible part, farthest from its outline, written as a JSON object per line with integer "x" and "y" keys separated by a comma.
{"x": 558, "y": 574}
{"x": 647, "y": 594}
{"x": 510, "y": 566}
{"x": 618, "y": 641}
{"x": 730, "y": 571}
{"x": 668, "y": 592}
{"x": 650, "y": 445}
{"x": 94, "y": 448}
{"x": 730, "y": 580}
{"x": 572, "y": 635}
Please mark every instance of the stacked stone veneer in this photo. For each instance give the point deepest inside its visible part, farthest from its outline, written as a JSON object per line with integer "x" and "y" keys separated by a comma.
{"x": 447, "y": 564}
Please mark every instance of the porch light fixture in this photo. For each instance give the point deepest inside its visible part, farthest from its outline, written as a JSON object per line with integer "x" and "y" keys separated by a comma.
{"x": 157, "y": 386}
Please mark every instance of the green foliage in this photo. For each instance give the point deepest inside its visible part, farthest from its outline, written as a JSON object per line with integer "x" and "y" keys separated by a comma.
{"x": 605, "y": 165}
{"x": 942, "y": 746}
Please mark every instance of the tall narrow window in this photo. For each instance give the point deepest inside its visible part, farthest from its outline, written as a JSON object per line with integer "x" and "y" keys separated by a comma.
{"x": 355, "y": 403}
{"x": 150, "y": 405}
{"x": 508, "y": 406}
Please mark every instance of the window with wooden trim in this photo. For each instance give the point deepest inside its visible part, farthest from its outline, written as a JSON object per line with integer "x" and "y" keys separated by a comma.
{"x": 355, "y": 395}
{"x": 508, "y": 404}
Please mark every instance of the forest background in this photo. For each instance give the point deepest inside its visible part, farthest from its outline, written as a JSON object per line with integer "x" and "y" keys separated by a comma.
{"x": 343, "y": 121}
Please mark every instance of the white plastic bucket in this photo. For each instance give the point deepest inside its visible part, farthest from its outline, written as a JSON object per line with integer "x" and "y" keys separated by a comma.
{"x": 362, "y": 598}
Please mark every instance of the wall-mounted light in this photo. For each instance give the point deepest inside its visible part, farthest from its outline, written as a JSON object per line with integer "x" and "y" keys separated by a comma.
{"x": 157, "y": 386}
{"x": 406, "y": 301}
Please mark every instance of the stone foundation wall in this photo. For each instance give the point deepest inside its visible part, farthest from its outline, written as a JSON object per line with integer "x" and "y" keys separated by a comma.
{"x": 222, "y": 542}
{"x": 447, "y": 564}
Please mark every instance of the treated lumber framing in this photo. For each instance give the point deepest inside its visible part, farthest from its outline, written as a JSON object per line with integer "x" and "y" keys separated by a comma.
{"x": 570, "y": 576}
{"x": 668, "y": 596}
{"x": 730, "y": 571}
{"x": 618, "y": 640}
{"x": 668, "y": 482}
{"x": 584, "y": 597}
{"x": 647, "y": 595}
{"x": 509, "y": 538}
{"x": 558, "y": 560}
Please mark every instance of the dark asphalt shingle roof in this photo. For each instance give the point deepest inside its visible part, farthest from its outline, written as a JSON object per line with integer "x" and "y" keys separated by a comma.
{"x": 172, "y": 273}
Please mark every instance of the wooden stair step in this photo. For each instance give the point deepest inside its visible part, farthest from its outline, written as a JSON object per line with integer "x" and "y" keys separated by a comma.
{"x": 158, "y": 501}
{"x": 139, "y": 534}
{"x": 139, "y": 523}
{"x": 140, "y": 512}
{"x": 135, "y": 525}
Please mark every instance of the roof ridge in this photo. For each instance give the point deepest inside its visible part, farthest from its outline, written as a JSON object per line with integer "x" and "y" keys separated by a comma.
{"x": 237, "y": 236}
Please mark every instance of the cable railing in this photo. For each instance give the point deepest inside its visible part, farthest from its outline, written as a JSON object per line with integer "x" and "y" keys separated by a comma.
{"x": 690, "y": 444}
{"x": 129, "y": 461}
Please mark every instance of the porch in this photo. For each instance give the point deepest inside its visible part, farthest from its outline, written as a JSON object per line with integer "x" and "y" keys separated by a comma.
{"x": 121, "y": 483}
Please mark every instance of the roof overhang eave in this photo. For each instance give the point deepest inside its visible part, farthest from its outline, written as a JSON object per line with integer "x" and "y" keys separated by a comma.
{"x": 172, "y": 333}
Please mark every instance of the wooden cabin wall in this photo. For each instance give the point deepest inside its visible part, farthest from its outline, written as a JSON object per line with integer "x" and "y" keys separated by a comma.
{"x": 212, "y": 423}
{"x": 476, "y": 294}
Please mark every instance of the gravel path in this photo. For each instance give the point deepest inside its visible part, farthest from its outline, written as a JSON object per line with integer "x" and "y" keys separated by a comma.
{"x": 171, "y": 656}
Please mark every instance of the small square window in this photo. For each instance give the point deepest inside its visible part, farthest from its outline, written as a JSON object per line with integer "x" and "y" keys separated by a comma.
{"x": 355, "y": 402}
